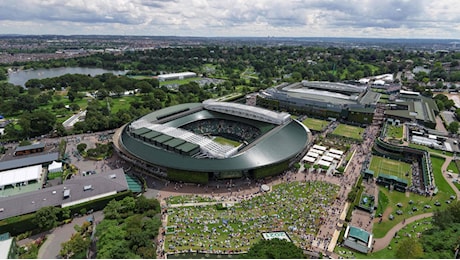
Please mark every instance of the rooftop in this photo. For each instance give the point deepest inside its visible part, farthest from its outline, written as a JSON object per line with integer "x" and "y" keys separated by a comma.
{"x": 27, "y": 161}
{"x": 102, "y": 183}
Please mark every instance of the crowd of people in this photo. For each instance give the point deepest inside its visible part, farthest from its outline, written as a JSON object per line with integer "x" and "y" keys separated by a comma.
{"x": 297, "y": 207}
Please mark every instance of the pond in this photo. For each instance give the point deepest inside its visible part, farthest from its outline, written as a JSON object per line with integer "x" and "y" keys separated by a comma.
{"x": 22, "y": 76}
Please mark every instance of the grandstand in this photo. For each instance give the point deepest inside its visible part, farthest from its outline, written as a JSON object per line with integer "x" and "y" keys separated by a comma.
{"x": 178, "y": 142}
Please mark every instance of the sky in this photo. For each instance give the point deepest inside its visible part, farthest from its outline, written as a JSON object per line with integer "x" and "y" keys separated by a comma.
{"x": 229, "y": 18}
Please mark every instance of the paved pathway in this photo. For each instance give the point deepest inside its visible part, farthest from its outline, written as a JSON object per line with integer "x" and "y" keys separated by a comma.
{"x": 50, "y": 249}
{"x": 381, "y": 243}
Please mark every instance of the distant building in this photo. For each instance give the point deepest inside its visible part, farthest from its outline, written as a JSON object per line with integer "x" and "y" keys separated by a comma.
{"x": 176, "y": 76}
{"x": 412, "y": 107}
{"x": 322, "y": 99}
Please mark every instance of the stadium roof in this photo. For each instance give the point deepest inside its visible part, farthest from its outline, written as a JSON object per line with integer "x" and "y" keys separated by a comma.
{"x": 251, "y": 112}
{"x": 277, "y": 144}
{"x": 27, "y": 161}
{"x": 325, "y": 94}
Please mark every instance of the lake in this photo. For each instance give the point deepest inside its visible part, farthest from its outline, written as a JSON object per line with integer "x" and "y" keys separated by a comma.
{"x": 22, "y": 76}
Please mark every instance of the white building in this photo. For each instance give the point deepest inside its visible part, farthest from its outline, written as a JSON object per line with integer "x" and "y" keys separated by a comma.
{"x": 173, "y": 76}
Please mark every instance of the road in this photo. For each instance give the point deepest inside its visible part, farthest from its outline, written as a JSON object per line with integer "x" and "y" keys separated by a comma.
{"x": 50, "y": 249}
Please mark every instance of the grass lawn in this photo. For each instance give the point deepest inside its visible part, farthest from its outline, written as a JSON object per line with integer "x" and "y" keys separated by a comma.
{"x": 394, "y": 197}
{"x": 392, "y": 167}
{"x": 452, "y": 167}
{"x": 394, "y": 131}
{"x": 226, "y": 141}
{"x": 348, "y": 131}
{"x": 382, "y": 203}
{"x": 118, "y": 103}
{"x": 54, "y": 175}
{"x": 389, "y": 252}
{"x": 315, "y": 124}
{"x": 290, "y": 207}
{"x": 187, "y": 199}
{"x": 178, "y": 81}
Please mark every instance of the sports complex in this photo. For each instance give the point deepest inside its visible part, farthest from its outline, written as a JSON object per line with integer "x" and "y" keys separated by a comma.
{"x": 324, "y": 99}
{"x": 198, "y": 142}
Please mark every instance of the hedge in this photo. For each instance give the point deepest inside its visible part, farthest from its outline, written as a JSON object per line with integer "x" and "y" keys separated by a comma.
{"x": 188, "y": 176}
{"x": 19, "y": 224}
{"x": 270, "y": 170}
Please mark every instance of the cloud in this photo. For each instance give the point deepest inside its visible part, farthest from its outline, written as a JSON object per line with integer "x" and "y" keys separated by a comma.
{"x": 234, "y": 17}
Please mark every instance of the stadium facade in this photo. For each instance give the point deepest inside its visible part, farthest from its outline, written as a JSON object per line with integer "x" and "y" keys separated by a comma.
{"x": 322, "y": 99}
{"x": 179, "y": 142}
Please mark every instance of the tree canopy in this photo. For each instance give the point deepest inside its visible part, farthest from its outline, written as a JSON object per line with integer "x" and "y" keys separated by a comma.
{"x": 443, "y": 239}
{"x": 274, "y": 249}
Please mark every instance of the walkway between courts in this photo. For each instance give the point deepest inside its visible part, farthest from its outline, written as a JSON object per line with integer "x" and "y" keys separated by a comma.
{"x": 381, "y": 243}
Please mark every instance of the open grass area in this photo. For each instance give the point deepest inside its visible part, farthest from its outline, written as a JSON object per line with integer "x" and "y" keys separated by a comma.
{"x": 418, "y": 201}
{"x": 315, "y": 124}
{"x": 290, "y": 207}
{"x": 187, "y": 199}
{"x": 452, "y": 167}
{"x": 178, "y": 81}
{"x": 394, "y": 131}
{"x": 391, "y": 167}
{"x": 349, "y": 131}
{"x": 382, "y": 203}
{"x": 389, "y": 252}
{"x": 226, "y": 141}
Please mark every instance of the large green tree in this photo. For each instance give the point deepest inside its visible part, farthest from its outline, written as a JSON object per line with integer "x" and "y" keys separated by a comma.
{"x": 409, "y": 248}
{"x": 46, "y": 218}
{"x": 274, "y": 249}
{"x": 443, "y": 239}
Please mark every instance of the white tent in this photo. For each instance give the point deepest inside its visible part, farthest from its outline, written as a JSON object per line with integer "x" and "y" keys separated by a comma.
{"x": 55, "y": 167}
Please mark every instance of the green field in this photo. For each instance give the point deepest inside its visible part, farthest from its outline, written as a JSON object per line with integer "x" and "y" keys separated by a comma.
{"x": 315, "y": 124}
{"x": 179, "y": 81}
{"x": 452, "y": 167}
{"x": 418, "y": 201}
{"x": 394, "y": 131}
{"x": 226, "y": 141}
{"x": 391, "y": 167}
{"x": 348, "y": 131}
